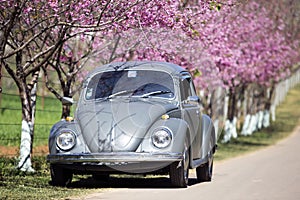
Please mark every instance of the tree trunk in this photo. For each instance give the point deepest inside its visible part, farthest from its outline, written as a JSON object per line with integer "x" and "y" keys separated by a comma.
{"x": 230, "y": 124}
{"x": 28, "y": 101}
{"x": 66, "y": 110}
{"x": 232, "y": 104}
{"x": 268, "y": 104}
{"x": 27, "y": 131}
{"x": 246, "y": 116}
{"x": 26, "y": 147}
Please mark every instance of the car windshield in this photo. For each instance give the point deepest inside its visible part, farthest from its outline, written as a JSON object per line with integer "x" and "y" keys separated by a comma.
{"x": 140, "y": 83}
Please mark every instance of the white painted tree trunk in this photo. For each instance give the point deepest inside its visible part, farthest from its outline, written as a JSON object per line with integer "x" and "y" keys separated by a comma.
{"x": 25, "y": 147}
{"x": 227, "y": 134}
{"x": 216, "y": 125}
{"x": 27, "y": 137}
{"x": 230, "y": 130}
{"x": 273, "y": 112}
{"x": 246, "y": 125}
{"x": 260, "y": 117}
{"x": 233, "y": 128}
{"x": 253, "y": 125}
{"x": 266, "y": 119}
{"x": 226, "y": 101}
{"x": 250, "y": 124}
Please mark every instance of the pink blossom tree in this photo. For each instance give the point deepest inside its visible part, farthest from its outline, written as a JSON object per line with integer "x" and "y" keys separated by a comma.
{"x": 92, "y": 36}
{"x": 26, "y": 28}
{"x": 248, "y": 47}
{"x": 239, "y": 45}
{"x": 244, "y": 47}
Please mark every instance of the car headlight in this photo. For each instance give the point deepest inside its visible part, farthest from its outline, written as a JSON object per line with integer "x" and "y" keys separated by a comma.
{"x": 66, "y": 140}
{"x": 161, "y": 138}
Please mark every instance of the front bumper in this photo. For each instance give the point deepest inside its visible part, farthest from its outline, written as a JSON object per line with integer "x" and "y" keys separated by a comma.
{"x": 119, "y": 157}
{"x": 130, "y": 162}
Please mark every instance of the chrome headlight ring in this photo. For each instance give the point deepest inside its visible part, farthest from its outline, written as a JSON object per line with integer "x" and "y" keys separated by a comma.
{"x": 66, "y": 140}
{"x": 161, "y": 137}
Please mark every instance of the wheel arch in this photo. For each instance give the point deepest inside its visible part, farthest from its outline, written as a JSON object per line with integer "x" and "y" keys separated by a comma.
{"x": 208, "y": 134}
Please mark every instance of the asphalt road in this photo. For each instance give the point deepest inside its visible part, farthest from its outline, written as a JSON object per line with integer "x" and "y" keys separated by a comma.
{"x": 268, "y": 174}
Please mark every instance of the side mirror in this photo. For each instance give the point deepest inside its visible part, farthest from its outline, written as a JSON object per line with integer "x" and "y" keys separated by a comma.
{"x": 67, "y": 101}
{"x": 194, "y": 99}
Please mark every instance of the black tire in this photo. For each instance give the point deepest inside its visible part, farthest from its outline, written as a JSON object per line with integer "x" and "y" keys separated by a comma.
{"x": 101, "y": 177}
{"x": 60, "y": 176}
{"x": 204, "y": 172}
{"x": 179, "y": 171}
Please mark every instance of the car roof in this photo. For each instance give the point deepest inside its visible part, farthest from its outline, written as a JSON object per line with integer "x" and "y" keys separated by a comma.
{"x": 139, "y": 65}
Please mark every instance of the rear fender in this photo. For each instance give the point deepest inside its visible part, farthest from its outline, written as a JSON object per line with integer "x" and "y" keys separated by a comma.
{"x": 209, "y": 136}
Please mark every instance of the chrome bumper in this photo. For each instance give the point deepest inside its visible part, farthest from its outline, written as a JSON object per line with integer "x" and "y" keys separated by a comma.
{"x": 108, "y": 158}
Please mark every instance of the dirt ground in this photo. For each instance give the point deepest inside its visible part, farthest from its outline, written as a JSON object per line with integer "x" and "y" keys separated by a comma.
{"x": 12, "y": 151}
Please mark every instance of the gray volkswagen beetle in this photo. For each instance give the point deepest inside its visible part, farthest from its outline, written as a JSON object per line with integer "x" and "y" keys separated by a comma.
{"x": 134, "y": 117}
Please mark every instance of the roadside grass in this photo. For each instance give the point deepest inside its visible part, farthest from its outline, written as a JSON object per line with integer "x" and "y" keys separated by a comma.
{"x": 287, "y": 118}
{"x": 11, "y": 119}
{"x": 19, "y": 185}
{"x": 16, "y": 185}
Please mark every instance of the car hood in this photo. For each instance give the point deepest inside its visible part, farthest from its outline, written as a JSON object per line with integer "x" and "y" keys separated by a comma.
{"x": 118, "y": 125}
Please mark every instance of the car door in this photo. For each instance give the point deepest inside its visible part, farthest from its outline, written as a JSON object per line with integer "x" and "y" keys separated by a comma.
{"x": 191, "y": 113}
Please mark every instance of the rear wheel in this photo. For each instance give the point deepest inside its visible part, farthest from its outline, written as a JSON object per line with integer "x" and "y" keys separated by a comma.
{"x": 60, "y": 176}
{"x": 179, "y": 171}
{"x": 204, "y": 172}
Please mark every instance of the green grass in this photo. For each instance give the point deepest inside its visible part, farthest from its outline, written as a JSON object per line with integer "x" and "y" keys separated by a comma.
{"x": 16, "y": 185}
{"x": 19, "y": 185}
{"x": 10, "y": 124}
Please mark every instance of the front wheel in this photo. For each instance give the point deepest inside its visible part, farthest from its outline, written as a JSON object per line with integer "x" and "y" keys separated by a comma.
{"x": 179, "y": 171}
{"x": 101, "y": 177}
{"x": 60, "y": 176}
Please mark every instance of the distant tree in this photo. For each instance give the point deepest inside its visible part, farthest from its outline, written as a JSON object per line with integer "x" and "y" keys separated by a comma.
{"x": 248, "y": 47}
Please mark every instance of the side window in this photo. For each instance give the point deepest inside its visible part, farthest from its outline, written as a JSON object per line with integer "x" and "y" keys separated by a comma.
{"x": 192, "y": 87}
{"x": 186, "y": 89}
{"x": 187, "y": 86}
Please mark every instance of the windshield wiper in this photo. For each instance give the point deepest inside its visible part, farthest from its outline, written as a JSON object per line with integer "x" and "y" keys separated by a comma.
{"x": 158, "y": 92}
{"x": 119, "y": 93}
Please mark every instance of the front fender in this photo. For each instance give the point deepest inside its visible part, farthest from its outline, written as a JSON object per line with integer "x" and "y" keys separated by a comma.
{"x": 61, "y": 126}
{"x": 179, "y": 129}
